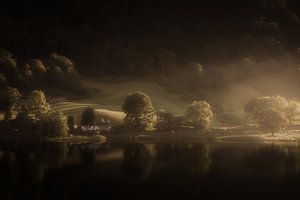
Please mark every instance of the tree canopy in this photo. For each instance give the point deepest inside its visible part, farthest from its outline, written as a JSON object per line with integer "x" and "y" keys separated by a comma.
{"x": 139, "y": 111}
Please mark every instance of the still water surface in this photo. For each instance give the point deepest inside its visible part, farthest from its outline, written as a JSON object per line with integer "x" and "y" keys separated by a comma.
{"x": 150, "y": 171}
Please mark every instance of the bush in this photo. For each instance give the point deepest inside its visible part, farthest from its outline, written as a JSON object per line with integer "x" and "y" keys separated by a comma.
{"x": 199, "y": 114}
{"x": 139, "y": 112}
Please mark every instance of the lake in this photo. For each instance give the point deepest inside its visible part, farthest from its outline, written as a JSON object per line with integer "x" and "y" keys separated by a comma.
{"x": 160, "y": 170}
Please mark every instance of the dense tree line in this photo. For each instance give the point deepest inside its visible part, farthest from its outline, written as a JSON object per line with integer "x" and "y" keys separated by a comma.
{"x": 140, "y": 37}
{"x": 53, "y": 71}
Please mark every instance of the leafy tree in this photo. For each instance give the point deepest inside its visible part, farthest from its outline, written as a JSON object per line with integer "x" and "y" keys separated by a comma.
{"x": 36, "y": 69}
{"x": 41, "y": 119}
{"x": 272, "y": 113}
{"x": 9, "y": 101}
{"x": 37, "y": 103}
{"x": 73, "y": 79}
{"x": 88, "y": 117}
{"x": 63, "y": 62}
{"x": 199, "y": 114}
{"x": 53, "y": 123}
{"x": 139, "y": 111}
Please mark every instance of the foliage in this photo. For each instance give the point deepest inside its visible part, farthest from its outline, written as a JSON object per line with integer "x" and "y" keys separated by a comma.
{"x": 63, "y": 72}
{"x": 272, "y": 113}
{"x": 166, "y": 121}
{"x": 37, "y": 103}
{"x": 39, "y": 118}
{"x": 88, "y": 117}
{"x": 139, "y": 112}
{"x": 36, "y": 69}
{"x": 9, "y": 101}
{"x": 61, "y": 61}
{"x": 53, "y": 123}
{"x": 8, "y": 64}
{"x": 199, "y": 114}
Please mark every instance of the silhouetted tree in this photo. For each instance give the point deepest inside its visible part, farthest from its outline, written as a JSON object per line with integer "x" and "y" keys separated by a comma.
{"x": 71, "y": 122}
{"x": 139, "y": 111}
{"x": 9, "y": 101}
{"x": 36, "y": 69}
{"x": 88, "y": 117}
{"x": 8, "y": 64}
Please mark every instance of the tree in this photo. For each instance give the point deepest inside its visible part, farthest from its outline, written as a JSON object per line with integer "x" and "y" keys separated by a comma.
{"x": 37, "y": 103}
{"x": 9, "y": 101}
{"x": 53, "y": 123}
{"x": 8, "y": 64}
{"x": 37, "y": 69}
{"x": 199, "y": 114}
{"x": 88, "y": 117}
{"x": 63, "y": 62}
{"x": 40, "y": 118}
{"x": 71, "y": 122}
{"x": 272, "y": 113}
{"x": 139, "y": 112}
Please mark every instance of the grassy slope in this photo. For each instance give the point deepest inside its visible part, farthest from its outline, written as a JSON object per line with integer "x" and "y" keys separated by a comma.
{"x": 109, "y": 96}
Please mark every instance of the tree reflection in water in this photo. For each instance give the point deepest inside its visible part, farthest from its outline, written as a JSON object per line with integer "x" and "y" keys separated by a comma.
{"x": 195, "y": 158}
{"x": 138, "y": 160}
{"x": 148, "y": 171}
{"x": 274, "y": 161}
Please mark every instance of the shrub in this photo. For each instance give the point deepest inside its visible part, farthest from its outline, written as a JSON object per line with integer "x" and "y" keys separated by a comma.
{"x": 139, "y": 112}
{"x": 199, "y": 114}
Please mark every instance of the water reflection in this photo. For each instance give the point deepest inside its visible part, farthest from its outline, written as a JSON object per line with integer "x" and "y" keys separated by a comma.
{"x": 138, "y": 160}
{"x": 195, "y": 158}
{"x": 163, "y": 170}
{"x": 274, "y": 161}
